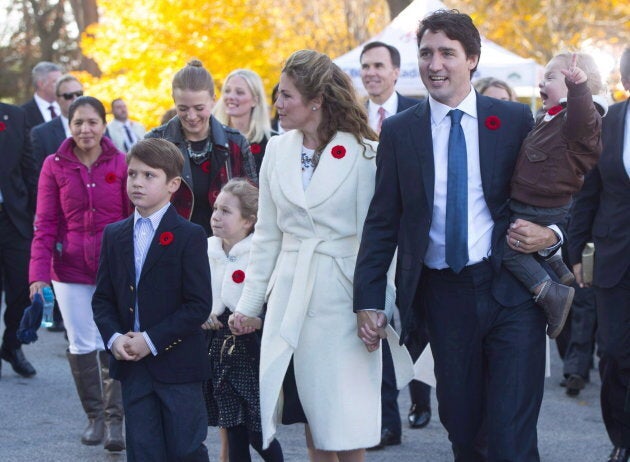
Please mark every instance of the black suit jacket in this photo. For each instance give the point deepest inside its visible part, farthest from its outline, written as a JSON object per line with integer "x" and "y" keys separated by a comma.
{"x": 46, "y": 139}
{"x": 18, "y": 173}
{"x": 173, "y": 297}
{"x": 602, "y": 209}
{"x": 402, "y": 207}
{"x": 33, "y": 115}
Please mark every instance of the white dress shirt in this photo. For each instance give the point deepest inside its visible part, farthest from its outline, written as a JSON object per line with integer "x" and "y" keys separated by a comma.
{"x": 480, "y": 223}
{"x": 390, "y": 106}
{"x": 43, "y": 106}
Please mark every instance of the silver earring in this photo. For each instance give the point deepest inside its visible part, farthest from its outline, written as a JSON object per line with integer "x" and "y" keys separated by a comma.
{"x": 314, "y": 108}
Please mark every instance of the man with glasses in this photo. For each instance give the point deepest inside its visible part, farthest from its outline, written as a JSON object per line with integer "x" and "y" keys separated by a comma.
{"x": 46, "y": 138}
{"x": 43, "y": 106}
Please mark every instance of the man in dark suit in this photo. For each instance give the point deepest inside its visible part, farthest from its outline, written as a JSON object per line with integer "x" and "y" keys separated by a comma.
{"x": 152, "y": 295}
{"x": 43, "y": 106}
{"x": 602, "y": 212}
{"x": 442, "y": 186}
{"x": 18, "y": 183}
{"x": 47, "y": 137}
{"x": 380, "y": 67}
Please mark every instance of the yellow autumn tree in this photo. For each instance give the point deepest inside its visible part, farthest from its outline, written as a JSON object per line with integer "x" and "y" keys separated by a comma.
{"x": 140, "y": 45}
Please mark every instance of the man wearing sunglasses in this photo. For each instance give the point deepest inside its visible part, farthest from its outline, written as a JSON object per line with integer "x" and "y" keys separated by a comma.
{"x": 47, "y": 137}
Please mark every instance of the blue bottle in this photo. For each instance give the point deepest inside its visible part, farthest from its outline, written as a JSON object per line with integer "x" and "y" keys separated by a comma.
{"x": 49, "y": 301}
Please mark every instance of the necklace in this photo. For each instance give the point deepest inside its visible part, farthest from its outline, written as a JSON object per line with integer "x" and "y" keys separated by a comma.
{"x": 199, "y": 157}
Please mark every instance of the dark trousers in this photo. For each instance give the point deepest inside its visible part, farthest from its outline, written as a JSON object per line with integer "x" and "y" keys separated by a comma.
{"x": 419, "y": 392}
{"x": 489, "y": 365}
{"x": 164, "y": 422}
{"x": 15, "y": 251}
{"x": 613, "y": 317}
{"x": 578, "y": 355}
{"x": 524, "y": 266}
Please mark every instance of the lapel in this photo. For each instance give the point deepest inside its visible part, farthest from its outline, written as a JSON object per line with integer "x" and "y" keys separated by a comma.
{"x": 331, "y": 172}
{"x": 59, "y": 133}
{"x": 423, "y": 146}
{"x": 156, "y": 250}
{"x": 289, "y": 167}
{"x": 487, "y": 144}
{"x": 125, "y": 241}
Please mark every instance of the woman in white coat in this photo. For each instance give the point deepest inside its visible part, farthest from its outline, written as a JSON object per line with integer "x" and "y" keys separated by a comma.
{"x": 316, "y": 183}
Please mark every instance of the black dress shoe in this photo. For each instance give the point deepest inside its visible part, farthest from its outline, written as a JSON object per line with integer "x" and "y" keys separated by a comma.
{"x": 388, "y": 438}
{"x": 619, "y": 455}
{"x": 418, "y": 417}
{"x": 17, "y": 360}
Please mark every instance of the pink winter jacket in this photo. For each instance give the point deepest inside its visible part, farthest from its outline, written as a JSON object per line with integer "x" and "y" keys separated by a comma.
{"x": 74, "y": 204}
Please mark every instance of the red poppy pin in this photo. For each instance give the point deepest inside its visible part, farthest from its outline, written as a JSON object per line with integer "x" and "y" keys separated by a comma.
{"x": 493, "y": 122}
{"x": 255, "y": 148}
{"x": 554, "y": 110}
{"x": 338, "y": 152}
{"x": 110, "y": 177}
{"x": 166, "y": 238}
{"x": 205, "y": 167}
{"x": 3, "y": 126}
{"x": 238, "y": 276}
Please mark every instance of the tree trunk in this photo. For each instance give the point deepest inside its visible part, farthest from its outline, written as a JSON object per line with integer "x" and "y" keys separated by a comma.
{"x": 396, "y": 6}
{"x": 86, "y": 13}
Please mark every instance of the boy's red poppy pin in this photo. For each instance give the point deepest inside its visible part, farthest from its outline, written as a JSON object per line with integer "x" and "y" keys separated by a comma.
{"x": 166, "y": 238}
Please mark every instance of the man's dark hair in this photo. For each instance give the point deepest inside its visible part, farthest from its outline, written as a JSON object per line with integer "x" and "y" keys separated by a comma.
{"x": 394, "y": 54}
{"x": 457, "y": 26}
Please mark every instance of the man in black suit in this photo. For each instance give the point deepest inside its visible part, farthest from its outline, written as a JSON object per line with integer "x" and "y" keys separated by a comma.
{"x": 602, "y": 212}
{"x": 380, "y": 67}
{"x": 18, "y": 183}
{"x": 442, "y": 186}
{"x": 152, "y": 295}
{"x": 47, "y": 137}
{"x": 43, "y": 106}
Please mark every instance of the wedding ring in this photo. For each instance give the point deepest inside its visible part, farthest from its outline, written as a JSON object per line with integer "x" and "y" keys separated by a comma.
{"x": 517, "y": 244}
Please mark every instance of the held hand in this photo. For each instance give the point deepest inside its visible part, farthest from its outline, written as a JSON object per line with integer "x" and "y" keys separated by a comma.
{"x": 579, "y": 275}
{"x": 36, "y": 288}
{"x": 574, "y": 74}
{"x": 118, "y": 349}
{"x": 239, "y": 324}
{"x": 136, "y": 346}
{"x": 527, "y": 237}
{"x": 371, "y": 328}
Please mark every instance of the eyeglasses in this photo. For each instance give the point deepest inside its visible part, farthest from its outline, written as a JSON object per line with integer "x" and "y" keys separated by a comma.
{"x": 69, "y": 96}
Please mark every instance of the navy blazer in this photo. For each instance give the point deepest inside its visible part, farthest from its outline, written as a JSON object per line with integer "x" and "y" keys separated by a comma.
{"x": 18, "y": 172}
{"x": 34, "y": 116}
{"x": 173, "y": 294}
{"x": 601, "y": 211}
{"x": 46, "y": 139}
{"x": 402, "y": 207}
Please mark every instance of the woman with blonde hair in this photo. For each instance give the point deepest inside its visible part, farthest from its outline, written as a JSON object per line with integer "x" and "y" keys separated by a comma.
{"x": 495, "y": 88}
{"x": 317, "y": 181}
{"x": 243, "y": 106}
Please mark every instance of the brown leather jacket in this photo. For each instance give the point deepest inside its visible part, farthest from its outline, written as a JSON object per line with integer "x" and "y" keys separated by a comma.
{"x": 557, "y": 153}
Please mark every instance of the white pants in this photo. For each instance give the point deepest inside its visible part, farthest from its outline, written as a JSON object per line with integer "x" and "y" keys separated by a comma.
{"x": 75, "y": 304}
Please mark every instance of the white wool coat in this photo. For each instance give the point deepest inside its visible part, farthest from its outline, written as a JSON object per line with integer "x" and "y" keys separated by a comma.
{"x": 303, "y": 255}
{"x": 225, "y": 271}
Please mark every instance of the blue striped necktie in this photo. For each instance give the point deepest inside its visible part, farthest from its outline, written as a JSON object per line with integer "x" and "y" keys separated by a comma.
{"x": 457, "y": 196}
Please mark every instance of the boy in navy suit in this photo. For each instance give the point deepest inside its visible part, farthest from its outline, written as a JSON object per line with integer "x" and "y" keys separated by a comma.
{"x": 152, "y": 295}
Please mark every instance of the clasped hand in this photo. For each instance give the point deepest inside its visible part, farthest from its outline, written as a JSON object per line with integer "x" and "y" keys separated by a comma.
{"x": 371, "y": 328}
{"x": 130, "y": 347}
{"x": 240, "y": 324}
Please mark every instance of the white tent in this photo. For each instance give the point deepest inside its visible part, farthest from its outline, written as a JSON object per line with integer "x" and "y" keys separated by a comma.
{"x": 522, "y": 74}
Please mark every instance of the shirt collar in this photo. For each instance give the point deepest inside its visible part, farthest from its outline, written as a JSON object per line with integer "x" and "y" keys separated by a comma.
{"x": 155, "y": 218}
{"x": 390, "y": 106}
{"x": 43, "y": 104}
{"x": 468, "y": 106}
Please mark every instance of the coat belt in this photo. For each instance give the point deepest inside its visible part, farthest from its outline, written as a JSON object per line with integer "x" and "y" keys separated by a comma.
{"x": 304, "y": 277}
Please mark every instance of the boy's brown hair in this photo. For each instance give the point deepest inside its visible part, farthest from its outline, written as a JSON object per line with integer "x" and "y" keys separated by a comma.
{"x": 158, "y": 153}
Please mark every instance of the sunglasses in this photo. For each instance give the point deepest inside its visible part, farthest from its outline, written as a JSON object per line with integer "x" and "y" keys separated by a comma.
{"x": 69, "y": 96}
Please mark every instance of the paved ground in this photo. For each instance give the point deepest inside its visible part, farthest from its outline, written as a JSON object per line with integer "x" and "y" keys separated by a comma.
{"x": 41, "y": 420}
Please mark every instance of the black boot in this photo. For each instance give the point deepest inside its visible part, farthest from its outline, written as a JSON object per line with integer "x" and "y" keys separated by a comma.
{"x": 555, "y": 299}
{"x": 18, "y": 362}
{"x": 87, "y": 378}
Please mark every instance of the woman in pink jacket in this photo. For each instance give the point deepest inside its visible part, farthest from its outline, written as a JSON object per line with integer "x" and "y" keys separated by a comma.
{"x": 81, "y": 190}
